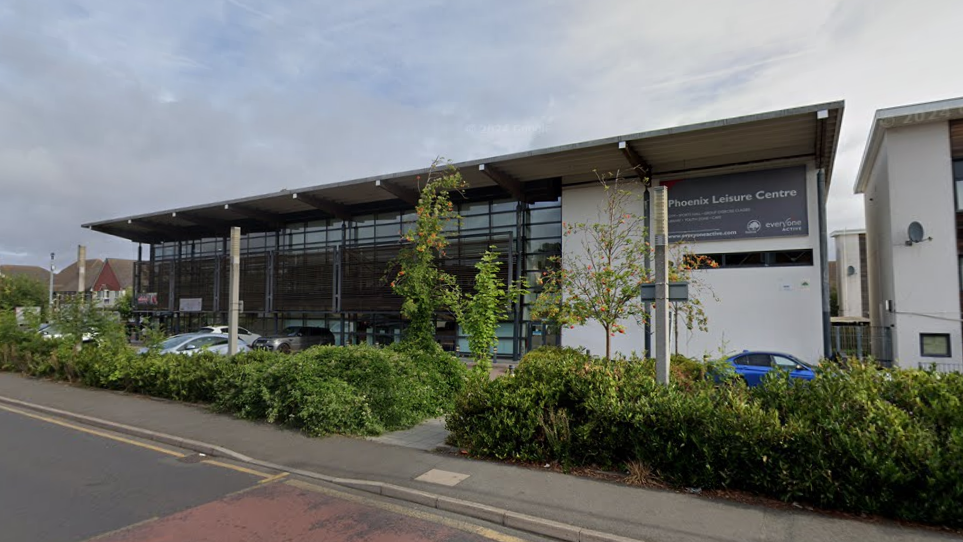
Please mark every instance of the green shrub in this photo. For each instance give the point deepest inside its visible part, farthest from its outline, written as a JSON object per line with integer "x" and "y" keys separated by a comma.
{"x": 859, "y": 439}
{"x": 358, "y": 390}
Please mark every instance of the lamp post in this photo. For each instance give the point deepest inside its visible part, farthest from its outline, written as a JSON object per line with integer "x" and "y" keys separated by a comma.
{"x": 660, "y": 225}
{"x": 50, "y": 297}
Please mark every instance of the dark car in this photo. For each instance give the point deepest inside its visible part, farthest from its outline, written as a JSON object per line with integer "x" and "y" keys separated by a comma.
{"x": 753, "y": 366}
{"x": 295, "y": 338}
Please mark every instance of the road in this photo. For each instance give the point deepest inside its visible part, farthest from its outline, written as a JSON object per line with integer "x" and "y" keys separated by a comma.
{"x": 62, "y": 482}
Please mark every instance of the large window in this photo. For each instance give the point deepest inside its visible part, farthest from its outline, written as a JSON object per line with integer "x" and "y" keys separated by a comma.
{"x": 935, "y": 345}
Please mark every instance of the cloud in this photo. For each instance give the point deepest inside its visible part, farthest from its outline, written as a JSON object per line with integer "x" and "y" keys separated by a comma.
{"x": 110, "y": 108}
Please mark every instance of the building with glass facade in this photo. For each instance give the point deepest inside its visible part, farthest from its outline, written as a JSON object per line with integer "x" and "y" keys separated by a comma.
{"x": 320, "y": 255}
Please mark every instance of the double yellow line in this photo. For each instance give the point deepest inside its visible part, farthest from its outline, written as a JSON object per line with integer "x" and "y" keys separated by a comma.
{"x": 266, "y": 477}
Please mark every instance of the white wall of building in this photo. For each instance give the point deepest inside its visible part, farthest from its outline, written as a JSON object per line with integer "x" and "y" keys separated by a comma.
{"x": 849, "y": 288}
{"x": 775, "y": 308}
{"x": 912, "y": 180}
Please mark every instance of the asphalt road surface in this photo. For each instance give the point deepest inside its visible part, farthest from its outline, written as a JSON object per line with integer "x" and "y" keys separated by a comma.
{"x": 62, "y": 482}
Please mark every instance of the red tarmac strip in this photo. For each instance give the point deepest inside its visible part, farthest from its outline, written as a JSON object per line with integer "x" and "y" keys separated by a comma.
{"x": 281, "y": 512}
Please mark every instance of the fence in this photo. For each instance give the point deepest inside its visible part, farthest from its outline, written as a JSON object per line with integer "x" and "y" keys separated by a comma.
{"x": 863, "y": 342}
{"x": 941, "y": 367}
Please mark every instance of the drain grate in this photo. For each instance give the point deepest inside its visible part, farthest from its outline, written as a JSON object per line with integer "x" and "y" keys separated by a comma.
{"x": 193, "y": 458}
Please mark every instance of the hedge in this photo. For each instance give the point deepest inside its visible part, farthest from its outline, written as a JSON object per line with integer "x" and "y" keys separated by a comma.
{"x": 352, "y": 390}
{"x": 859, "y": 439}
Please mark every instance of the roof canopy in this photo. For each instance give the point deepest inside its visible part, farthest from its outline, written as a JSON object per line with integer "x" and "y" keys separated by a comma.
{"x": 766, "y": 140}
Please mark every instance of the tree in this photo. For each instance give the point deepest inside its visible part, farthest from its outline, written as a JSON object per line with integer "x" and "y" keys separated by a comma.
{"x": 480, "y": 311}
{"x": 603, "y": 281}
{"x": 125, "y": 305}
{"x": 21, "y": 291}
{"x": 425, "y": 287}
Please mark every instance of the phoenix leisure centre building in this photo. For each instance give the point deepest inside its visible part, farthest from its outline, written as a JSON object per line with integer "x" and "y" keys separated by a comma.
{"x": 749, "y": 192}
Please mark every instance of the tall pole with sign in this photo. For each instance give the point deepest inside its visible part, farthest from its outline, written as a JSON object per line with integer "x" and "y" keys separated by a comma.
{"x": 660, "y": 225}
{"x": 235, "y": 290}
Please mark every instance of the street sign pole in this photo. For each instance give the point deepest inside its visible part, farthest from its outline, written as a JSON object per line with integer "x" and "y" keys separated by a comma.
{"x": 660, "y": 224}
{"x": 235, "y": 290}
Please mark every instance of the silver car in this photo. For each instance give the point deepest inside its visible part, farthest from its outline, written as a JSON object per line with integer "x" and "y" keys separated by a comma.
{"x": 189, "y": 344}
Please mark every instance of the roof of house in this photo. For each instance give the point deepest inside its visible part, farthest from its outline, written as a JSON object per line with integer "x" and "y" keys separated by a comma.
{"x": 33, "y": 271}
{"x": 66, "y": 279}
{"x": 766, "y": 140}
{"x": 123, "y": 270}
{"x": 897, "y": 117}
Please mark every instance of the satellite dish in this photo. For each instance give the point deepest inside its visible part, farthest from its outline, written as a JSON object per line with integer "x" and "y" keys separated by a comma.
{"x": 850, "y": 271}
{"x": 915, "y": 233}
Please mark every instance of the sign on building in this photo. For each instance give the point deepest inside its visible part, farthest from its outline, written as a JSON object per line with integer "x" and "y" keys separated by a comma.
{"x": 147, "y": 299}
{"x": 191, "y": 304}
{"x": 754, "y": 204}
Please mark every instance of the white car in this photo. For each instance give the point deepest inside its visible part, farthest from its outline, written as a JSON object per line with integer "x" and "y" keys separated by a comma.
{"x": 242, "y": 333}
{"x": 190, "y": 343}
{"x": 50, "y": 331}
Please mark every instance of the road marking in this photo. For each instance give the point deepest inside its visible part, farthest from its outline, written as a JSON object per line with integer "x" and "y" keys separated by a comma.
{"x": 490, "y": 534}
{"x": 267, "y": 477}
{"x": 238, "y": 468}
{"x": 93, "y": 432}
{"x": 442, "y": 477}
{"x": 274, "y": 478}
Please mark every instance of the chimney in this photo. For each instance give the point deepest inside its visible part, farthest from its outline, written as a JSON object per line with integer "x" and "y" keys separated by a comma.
{"x": 81, "y": 268}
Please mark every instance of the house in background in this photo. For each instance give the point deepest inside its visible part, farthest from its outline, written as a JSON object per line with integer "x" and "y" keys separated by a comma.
{"x": 852, "y": 283}
{"x": 104, "y": 280}
{"x": 31, "y": 271}
{"x": 911, "y": 179}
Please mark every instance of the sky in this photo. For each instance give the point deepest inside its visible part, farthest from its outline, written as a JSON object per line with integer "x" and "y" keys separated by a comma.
{"x": 110, "y": 108}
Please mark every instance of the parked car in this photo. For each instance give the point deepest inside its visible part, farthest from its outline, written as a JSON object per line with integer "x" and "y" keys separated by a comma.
{"x": 249, "y": 337}
{"x": 752, "y": 366}
{"x": 295, "y": 338}
{"x": 190, "y": 343}
{"x": 51, "y": 331}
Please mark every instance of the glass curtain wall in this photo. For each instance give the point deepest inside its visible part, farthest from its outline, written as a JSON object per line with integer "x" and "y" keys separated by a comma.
{"x": 335, "y": 274}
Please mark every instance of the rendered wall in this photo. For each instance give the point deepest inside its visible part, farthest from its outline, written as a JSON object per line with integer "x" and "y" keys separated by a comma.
{"x": 925, "y": 277}
{"x": 775, "y": 308}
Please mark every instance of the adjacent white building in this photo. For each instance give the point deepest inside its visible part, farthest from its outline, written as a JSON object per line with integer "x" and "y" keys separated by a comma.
{"x": 852, "y": 282}
{"x": 911, "y": 178}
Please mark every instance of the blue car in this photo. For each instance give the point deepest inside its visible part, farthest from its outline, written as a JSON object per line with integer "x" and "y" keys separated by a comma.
{"x": 752, "y": 366}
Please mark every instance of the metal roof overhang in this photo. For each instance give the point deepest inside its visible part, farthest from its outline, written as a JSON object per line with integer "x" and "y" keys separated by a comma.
{"x": 774, "y": 139}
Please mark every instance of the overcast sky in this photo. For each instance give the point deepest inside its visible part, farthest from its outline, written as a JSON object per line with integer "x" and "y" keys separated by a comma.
{"x": 116, "y": 107}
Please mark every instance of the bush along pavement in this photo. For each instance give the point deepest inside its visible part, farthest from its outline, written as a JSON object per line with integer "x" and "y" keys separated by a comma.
{"x": 353, "y": 390}
{"x": 859, "y": 439}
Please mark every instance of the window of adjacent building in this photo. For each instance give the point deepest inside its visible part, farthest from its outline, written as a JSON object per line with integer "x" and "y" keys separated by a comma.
{"x": 958, "y": 181}
{"x": 935, "y": 345}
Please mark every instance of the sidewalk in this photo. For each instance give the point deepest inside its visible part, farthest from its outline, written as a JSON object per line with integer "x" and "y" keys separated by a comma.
{"x": 648, "y": 515}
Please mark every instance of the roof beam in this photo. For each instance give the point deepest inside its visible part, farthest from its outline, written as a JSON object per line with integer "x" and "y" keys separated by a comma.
{"x": 269, "y": 219}
{"x": 635, "y": 160}
{"x": 334, "y": 209}
{"x": 214, "y": 225}
{"x": 510, "y": 184}
{"x": 406, "y": 195}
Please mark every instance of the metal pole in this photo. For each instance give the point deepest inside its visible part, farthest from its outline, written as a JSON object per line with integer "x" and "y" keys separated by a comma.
{"x": 824, "y": 260}
{"x": 647, "y": 259}
{"x": 235, "y": 290}
{"x": 661, "y": 226}
{"x": 50, "y": 296}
